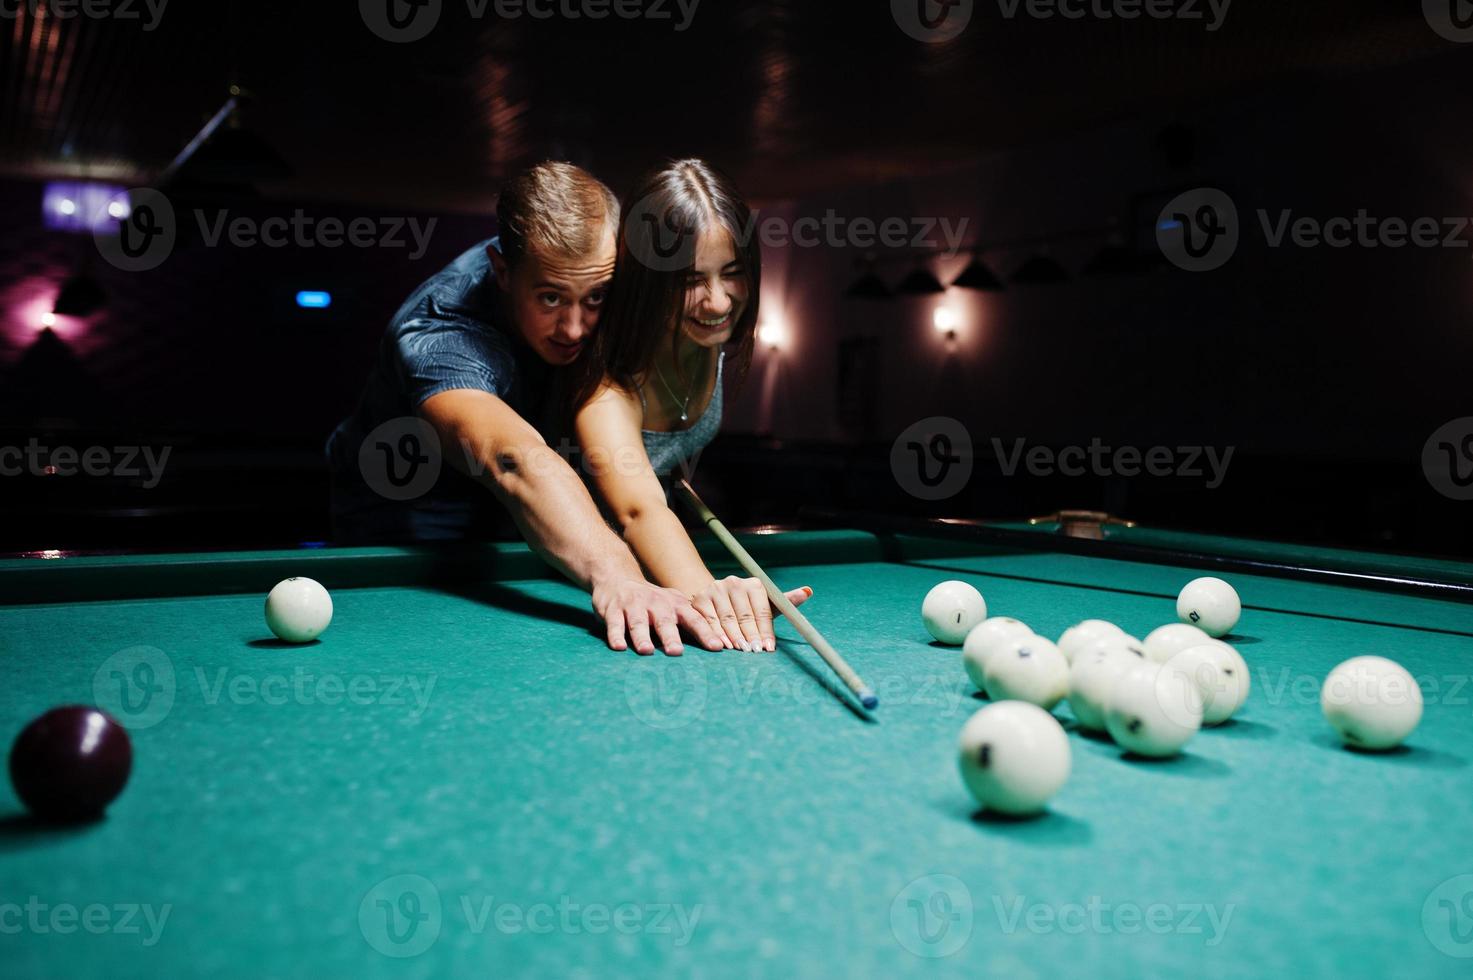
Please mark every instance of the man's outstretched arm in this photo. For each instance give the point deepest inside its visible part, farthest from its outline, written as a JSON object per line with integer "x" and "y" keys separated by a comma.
{"x": 484, "y": 438}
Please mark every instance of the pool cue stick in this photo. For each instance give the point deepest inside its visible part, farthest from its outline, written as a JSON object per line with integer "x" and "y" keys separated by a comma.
{"x": 779, "y": 598}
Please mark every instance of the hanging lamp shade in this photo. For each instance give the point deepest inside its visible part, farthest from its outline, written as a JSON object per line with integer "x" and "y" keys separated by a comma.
{"x": 921, "y": 282}
{"x": 979, "y": 275}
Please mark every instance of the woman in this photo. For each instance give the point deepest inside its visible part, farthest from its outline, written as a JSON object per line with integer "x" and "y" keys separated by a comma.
{"x": 648, "y": 396}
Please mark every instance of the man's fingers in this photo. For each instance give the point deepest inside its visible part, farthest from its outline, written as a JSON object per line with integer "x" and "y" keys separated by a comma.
{"x": 614, "y": 629}
{"x": 705, "y": 612}
{"x": 639, "y": 631}
{"x": 667, "y": 627}
{"x": 703, "y": 625}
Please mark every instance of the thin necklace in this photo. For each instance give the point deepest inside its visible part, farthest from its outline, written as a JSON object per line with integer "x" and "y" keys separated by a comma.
{"x": 684, "y": 403}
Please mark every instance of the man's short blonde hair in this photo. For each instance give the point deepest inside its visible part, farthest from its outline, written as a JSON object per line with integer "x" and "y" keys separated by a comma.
{"x": 555, "y": 209}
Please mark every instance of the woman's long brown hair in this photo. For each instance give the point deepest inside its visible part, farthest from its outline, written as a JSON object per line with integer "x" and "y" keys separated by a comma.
{"x": 661, "y": 223}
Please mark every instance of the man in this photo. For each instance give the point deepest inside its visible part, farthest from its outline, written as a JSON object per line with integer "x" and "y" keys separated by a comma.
{"x": 470, "y": 353}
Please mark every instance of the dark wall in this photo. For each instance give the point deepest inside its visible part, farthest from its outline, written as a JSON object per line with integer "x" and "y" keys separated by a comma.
{"x": 1349, "y": 353}
{"x": 1325, "y": 370}
{"x": 211, "y": 341}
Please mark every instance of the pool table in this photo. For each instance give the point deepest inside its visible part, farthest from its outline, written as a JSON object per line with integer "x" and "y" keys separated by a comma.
{"x": 459, "y": 778}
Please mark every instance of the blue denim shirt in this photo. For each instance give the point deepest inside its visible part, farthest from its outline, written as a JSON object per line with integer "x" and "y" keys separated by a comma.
{"x": 451, "y": 333}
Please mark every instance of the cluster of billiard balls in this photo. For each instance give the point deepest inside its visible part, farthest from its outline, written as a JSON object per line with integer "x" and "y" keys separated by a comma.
{"x": 70, "y": 763}
{"x": 1151, "y": 696}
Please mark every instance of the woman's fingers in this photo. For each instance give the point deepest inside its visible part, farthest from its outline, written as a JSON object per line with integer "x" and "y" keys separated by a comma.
{"x": 729, "y": 624}
{"x": 762, "y": 611}
{"x": 741, "y": 601}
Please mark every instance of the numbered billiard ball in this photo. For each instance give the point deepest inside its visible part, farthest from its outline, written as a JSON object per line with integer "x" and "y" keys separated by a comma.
{"x": 1089, "y": 632}
{"x": 1027, "y": 668}
{"x": 1165, "y": 642}
{"x": 1153, "y": 710}
{"x": 1095, "y": 670}
{"x": 951, "y": 610}
{"x": 298, "y": 610}
{"x": 1013, "y": 757}
{"x": 70, "y": 763}
{"x": 984, "y": 640}
{"x": 1210, "y": 604}
{"x": 1221, "y": 676}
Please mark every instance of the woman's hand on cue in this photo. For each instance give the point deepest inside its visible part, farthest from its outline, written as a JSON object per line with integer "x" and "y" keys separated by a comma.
{"x": 739, "y": 611}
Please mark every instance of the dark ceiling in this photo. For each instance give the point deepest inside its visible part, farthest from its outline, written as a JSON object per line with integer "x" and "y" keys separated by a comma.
{"x": 789, "y": 95}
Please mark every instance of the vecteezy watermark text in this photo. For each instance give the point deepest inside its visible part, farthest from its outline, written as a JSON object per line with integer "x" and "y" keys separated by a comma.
{"x": 407, "y": 21}
{"x": 34, "y": 459}
{"x": 304, "y": 231}
{"x": 1211, "y": 12}
{"x": 146, "y": 237}
{"x": 306, "y": 687}
{"x": 139, "y": 686}
{"x": 149, "y": 12}
{"x": 665, "y": 246}
{"x": 403, "y": 916}
{"x": 1199, "y": 230}
{"x": 1095, "y": 915}
{"x": 1364, "y": 230}
{"x": 1097, "y": 459}
{"x": 41, "y": 918}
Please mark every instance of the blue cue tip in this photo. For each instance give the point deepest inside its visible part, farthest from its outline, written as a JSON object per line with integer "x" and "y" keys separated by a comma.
{"x": 868, "y": 699}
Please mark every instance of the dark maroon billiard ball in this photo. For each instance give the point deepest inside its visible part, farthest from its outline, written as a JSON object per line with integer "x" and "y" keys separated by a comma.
{"x": 70, "y": 763}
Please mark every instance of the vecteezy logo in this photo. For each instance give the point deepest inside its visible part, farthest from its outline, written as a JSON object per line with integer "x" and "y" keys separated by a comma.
{"x": 1452, "y": 19}
{"x": 671, "y": 694}
{"x": 145, "y": 238}
{"x": 1198, "y": 231}
{"x": 400, "y": 916}
{"x": 1447, "y": 459}
{"x": 401, "y": 459}
{"x": 932, "y": 21}
{"x": 1447, "y": 917}
{"x": 932, "y": 460}
{"x": 136, "y": 686}
{"x": 659, "y": 241}
{"x": 400, "y": 21}
{"x": 932, "y": 916}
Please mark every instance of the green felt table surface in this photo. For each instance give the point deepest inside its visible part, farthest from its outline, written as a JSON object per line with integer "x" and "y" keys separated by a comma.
{"x": 462, "y": 780}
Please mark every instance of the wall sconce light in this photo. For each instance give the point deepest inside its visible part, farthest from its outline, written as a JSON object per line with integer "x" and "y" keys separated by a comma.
{"x": 946, "y": 321}
{"x": 772, "y": 335}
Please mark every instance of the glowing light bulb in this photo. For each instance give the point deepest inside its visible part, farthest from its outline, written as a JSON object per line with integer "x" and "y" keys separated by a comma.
{"x": 771, "y": 334}
{"x": 945, "y": 320}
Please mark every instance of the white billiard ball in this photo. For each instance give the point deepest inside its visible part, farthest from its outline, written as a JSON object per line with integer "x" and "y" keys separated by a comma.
{"x": 1165, "y": 642}
{"x": 298, "y": 610}
{"x": 1027, "y": 668}
{"x": 1211, "y": 604}
{"x": 1152, "y": 710}
{"x": 984, "y": 639}
{"x": 1014, "y": 757}
{"x": 1371, "y": 702}
{"x": 1082, "y": 634}
{"x": 951, "y": 609}
{"x": 1093, "y": 673}
{"x": 1221, "y": 676}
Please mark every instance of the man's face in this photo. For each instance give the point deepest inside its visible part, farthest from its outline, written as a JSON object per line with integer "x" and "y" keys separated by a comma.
{"x": 555, "y": 301}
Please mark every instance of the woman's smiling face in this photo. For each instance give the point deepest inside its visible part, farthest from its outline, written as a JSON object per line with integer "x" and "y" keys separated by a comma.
{"x": 715, "y": 290}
